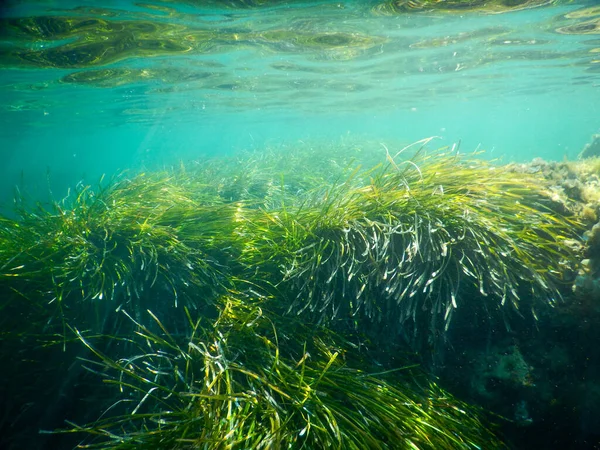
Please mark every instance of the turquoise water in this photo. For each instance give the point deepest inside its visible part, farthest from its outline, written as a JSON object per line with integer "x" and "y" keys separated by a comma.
{"x": 507, "y": 83}
{"x": 93, "y": 89}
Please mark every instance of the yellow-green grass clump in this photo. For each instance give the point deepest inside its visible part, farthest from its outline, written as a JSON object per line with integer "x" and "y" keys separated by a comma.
{"x": 149, "y": 241}
{"x": 422, "y": 239}
{"x": 118, "y": 242}
{"x": 134, "y": 239}
{"x": 407, "y": 244}
{"x": 249, "y": 382}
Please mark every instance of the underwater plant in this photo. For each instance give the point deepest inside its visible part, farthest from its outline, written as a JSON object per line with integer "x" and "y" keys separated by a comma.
{"x": 167, "y": 234}
{"x": 251, "y": 380}
{"x": 282, "y": 280}
{"x": 405, "y": 244}
{"x": 117, "y": 243}
{"x": 139, "y": 242}
{"x": 422, "y": 238}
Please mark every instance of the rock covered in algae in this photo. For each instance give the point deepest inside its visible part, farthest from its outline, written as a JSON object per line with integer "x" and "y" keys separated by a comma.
{"x": 547, "y": 375}
{"x": 575, "y": 186}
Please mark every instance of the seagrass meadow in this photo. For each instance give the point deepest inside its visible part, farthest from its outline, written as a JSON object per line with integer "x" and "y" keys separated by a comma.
{"x": 223, "y": 225}
{"x": 279, "y": 299}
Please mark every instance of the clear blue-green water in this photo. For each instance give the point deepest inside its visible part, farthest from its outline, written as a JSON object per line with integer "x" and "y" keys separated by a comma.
{"x": 506, "y": 83}
{"x": 91, "y": 89}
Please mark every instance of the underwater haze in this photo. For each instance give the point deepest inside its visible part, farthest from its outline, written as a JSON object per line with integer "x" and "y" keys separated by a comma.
{"x": 90, "y": 88}
{"x": 286, "y": 224}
